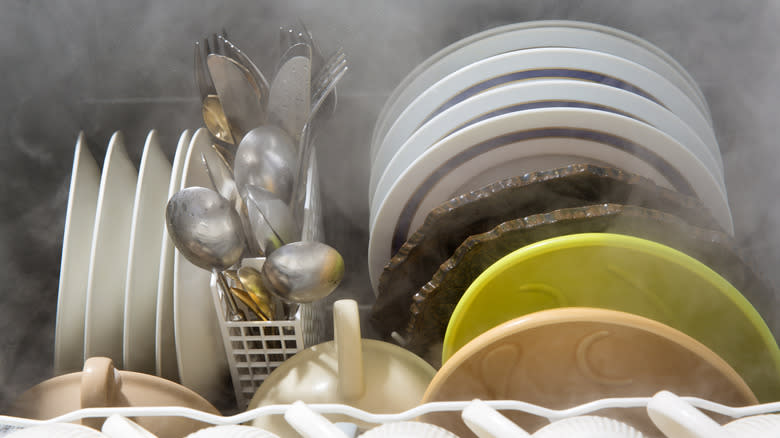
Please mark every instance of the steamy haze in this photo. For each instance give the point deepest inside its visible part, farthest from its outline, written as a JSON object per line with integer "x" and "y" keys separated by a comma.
{"x": 102, "y": 66}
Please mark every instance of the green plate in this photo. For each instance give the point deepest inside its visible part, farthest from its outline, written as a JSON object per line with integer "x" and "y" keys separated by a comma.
{"x": 628, "y": 274}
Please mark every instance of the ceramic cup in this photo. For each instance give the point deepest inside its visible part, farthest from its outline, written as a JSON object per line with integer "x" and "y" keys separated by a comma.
{"x": 408, "y": 429}
{"x": 371, "y": 375}
{"x": 677, "y": 418}
{"x": 487, "y": 422}
{"x": 59, "y": 430}
{"x": 232, "y": 431}
{"x": 588, "y": 426}
{"x": 102, "y": 385}
{"x": 757, "y": 426}
{"x": 117, "y": 426}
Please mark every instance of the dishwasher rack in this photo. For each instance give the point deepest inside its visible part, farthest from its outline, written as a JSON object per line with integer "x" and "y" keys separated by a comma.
{"x": 409, "y": 415}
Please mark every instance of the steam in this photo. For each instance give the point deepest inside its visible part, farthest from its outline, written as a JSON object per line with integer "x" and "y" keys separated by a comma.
{"x": 128, "y": 66}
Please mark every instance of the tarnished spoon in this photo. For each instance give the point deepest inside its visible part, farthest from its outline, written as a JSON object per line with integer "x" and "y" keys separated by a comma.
{"x": 278, "y": 214}
{"x": 252, "y": 302}
{"x": 215, "y": 120}
{"x": 267, "y": 158}
{"x": 302, "y": 272}
{"x": 250, "y": 278}
{"x": 206, "y": 229}
{"x": 241, "y": 97}
{"x": 222, "y": 179}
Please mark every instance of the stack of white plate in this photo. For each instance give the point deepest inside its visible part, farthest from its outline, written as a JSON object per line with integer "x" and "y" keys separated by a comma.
{"x": 533, "y": 96}
{"x": 124, "y": 292}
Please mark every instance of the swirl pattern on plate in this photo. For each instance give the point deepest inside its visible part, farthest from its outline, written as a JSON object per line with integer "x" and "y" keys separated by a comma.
{"x": 448, "y": 225}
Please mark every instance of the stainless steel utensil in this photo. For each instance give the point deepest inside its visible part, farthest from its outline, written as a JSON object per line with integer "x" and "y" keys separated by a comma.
{"x": 215, "y": 120}
{"x": 240, "y": 96}
{"x": 302, "y": 272}
{"x": 262, "y": 83}
{"x": 206, "y": 229}
{"x": 262, "y": 231}
{"x": 267, "y": 158}
{"x": 337, "y": 67}
{"x": 276, "y": 212}
{"x": 289, "y": 100}
{"x": 250, "y": 280}
{"x": 222, "y": 179}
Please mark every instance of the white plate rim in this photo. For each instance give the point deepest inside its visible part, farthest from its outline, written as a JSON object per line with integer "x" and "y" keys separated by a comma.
{"x": 428, "y": 72}
{"x": 164, "y": 338}
{"x": 537, "y": 93}
{"x": 110, "y": 245}
{"x": 200, "y": 352}
{"x": 532, "y": 63}
{"x": 143, "y": 269}
{"x": 74, "y": 262}
{"x": 615, "y": 126}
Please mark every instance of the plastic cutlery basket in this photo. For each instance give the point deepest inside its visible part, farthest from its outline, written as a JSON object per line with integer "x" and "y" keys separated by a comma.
{"x": 255, "y": 348}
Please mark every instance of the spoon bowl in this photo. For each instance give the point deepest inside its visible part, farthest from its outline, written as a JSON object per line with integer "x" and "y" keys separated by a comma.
{"x": 205, "y": 228}
{"x": 266, "y": 158}
{"x": 302, "y": 272}
{"x": 275, "y": 212}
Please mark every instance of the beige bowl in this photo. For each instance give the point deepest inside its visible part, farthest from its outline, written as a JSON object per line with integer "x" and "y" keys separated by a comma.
{"x": 565, "y": 357}
{"x": 101, "y": 385}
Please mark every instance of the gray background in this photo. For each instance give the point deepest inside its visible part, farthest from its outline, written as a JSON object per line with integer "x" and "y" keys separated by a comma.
{"x": 101, "y": 66}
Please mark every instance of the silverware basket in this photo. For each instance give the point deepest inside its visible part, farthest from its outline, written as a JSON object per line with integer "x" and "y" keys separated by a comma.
{"x": 255, "y": 349}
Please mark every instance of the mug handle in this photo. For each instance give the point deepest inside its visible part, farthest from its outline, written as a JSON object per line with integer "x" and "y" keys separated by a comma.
{"x": 349, "y": 349}
{"x": 100, "y": 384}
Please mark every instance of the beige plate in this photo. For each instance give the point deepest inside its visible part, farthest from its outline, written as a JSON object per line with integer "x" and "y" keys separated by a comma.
{"x": 564, "y": 357}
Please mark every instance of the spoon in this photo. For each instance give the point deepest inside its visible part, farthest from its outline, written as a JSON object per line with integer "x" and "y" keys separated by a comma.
{"x": 215, "y": 120}
{"x": 222, "y": 179}
{"x": 275, "y": 212}
{"x": 266, "y": 158}
{"x": 206, "y": 229}
{"x": 253, "y": 303}
{"x": 290, "y": 92}
{"x": 240, "y": 96}
{"x": 250, "y": 278}
{"x": 302, "y": 272}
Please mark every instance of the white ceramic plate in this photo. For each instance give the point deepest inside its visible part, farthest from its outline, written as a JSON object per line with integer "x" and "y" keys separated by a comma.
{"x": 540, "y": 93}
{"x": 512, "y": 144}
{"x": 574, "y": 34}
{"x": 529, "y": 64}
{"x": 74, "y": 266}
{"x": 200, "y": 353}
{"x": 165, "y": 364}
{"x": 108, "y": 255}
{"x": 143, "y": 268}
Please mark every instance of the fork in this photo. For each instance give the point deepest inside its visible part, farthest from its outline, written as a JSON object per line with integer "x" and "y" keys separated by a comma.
{"x": 325, "y": 82}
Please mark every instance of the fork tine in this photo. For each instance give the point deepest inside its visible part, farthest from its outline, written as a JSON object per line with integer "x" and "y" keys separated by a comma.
{"x": 202, "y": 76}
{"x": 329, "y": 86}
{"x": 330, "y": 73}
{"x": 333, "y": 64}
